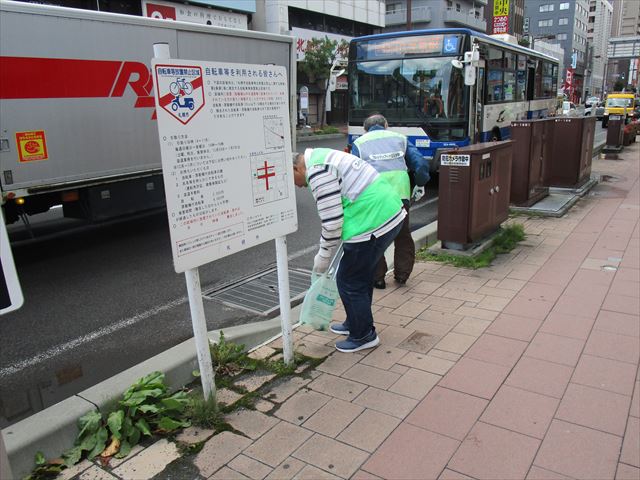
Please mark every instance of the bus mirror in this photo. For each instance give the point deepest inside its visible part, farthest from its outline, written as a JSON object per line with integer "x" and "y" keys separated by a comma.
{"x": 469, "y": 75}
{"x": 457, "y": 63}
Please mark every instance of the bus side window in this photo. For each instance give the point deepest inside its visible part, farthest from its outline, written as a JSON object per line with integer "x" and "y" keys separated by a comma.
{"x": 531, "y": 82}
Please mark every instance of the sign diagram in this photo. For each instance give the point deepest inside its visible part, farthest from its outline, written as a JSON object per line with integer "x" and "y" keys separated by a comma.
{"x": 180, "y": 90}
{"x": 269, "y": 178}
{"x": 273, "y": 133}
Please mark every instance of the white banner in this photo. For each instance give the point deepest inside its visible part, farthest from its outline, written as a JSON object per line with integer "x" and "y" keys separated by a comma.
{"x": 193, "y": 14}
{"x": 303, "y": 36}
{"x": 226, "y": 157}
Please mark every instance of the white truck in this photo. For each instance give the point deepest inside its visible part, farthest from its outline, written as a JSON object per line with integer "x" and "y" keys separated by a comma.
{"x": 77, "y": 118}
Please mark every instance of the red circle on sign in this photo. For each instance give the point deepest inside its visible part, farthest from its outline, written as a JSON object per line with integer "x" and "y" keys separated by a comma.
{"x": 32, "y": 146}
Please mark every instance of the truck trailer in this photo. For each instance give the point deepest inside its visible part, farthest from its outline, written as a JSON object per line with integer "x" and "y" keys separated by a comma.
{"x": 77, "y": 112}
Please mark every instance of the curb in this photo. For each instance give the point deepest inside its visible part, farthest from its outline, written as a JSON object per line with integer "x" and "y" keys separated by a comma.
{"x": 54, "y": 429}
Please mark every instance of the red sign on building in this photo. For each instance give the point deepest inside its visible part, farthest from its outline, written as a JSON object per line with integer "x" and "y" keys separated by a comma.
{"x": 501, "y": 24}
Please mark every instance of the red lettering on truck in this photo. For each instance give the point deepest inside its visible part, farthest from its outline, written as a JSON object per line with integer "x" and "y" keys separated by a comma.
{"x": 30, "y": 78}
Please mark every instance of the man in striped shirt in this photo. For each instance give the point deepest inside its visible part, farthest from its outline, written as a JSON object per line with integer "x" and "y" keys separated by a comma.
{"x": 359, "y": 207}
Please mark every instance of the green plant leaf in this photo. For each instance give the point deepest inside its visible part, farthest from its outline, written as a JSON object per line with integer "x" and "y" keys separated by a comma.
{"x": 149, "y": 408}
{"x": 101, "y": 442}
{"x": 134, "y": 438}
{"x": 136, "y": 398}
{"x": 143, "y": 426}
{"x": 168, "y": 424}
{"x": 72, "y": 456}
{"x": 114, "y": 422}
{"x": 174, "y": 403}
{"x": 88, "y": 443}
{"x": 89, "y": 423}
{"x": 196, "y": 373}
{"x": 40, "y": 458}
{"x": 125, "y": 449}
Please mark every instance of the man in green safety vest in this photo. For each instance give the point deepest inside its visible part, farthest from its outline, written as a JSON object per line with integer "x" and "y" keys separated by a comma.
{"x": 401, "y": 164}
{"x": 359, "y": 207}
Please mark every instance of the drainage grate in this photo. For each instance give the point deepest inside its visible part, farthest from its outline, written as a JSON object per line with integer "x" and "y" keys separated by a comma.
{"x": 259, "y": 293}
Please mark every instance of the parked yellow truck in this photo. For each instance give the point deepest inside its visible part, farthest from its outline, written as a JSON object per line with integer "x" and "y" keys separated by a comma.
{"x": 619, "y": 104}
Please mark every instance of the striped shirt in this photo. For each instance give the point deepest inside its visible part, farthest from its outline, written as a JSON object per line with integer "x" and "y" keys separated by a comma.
{"x": 342, "y": 175}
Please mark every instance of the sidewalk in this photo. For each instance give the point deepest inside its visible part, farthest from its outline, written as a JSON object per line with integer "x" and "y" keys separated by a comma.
{"x": 527, "y": 369}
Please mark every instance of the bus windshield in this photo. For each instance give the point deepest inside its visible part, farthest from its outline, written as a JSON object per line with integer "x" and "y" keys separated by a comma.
{"x": 426, "y": 92}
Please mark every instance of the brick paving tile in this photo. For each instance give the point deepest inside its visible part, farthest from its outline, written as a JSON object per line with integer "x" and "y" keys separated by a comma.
{"x": 628, "y": 274}
{"x": 445, "y": 318}
{"x": 567, "y": 325}
{"x": 610, "y": 375}
{"x": 615, "y": 347}
{"x": 74, "y": 470}
{"x": 333, "y": 417}
{"x": 554, "y": 348}
{"x": 337, "y": 364}
{"x": 511, "y": 284}
{"x": 287, "y": 469}
{"x": 619, "y": 323}
{"x": 579, "y": 452}
{"x": 227, "y": 396}
{"x": 313, "y": 350}
{"x": 369, "y": 430}
{"x": 426, "y": 287}
{"x": 451, "y": 475}
{"x": 635, "y": 402}
{"x": 284, "y": 390}
{"x": 386, "y": 402}
{"x": 278, "y": 443}
{"x": 415, "y": 383}
{"x": 499, "y": 350}
{"x": 250, "y": 467}
{"x": 337, "y": 387}
{"x": 429, "y": 363}
{"x": 432, "y": 328}
{"x": 494, "y": 303}
{"x": 115, "y": 462}
{"x": 622, "y": 303}
{"x": 411, "y": 309}
{"x": 301, "y": 406}
{"x": 627, "y": 288}
{"x": 493, "y": 291}
{"x": 514, "y": 326}
{"x": 455, "y": 342}
{"x": 312, "y": 473}
{"x": 475, "y": 377}
{"x": 263, "y": 405}
{"x": 583, "y": 306}
{"x": 521, "y": 411}
{"x": 384, "y": 357}
{"x": 527, "y": 307}
{"x": 541, "y": 291}
{"x": 193, "y": 435}
{"x": 448, "y": 412}
{"x": 151, "y": 461}
{"x": 402, "y": 455}
{"x": 331, "y": 456}
{"x": 537, "y": 473}
{"x": 254, "y": 381}
{"x": 453, "y": 357}
{"x": 472, "y": 326}
{"x": 250, "y": 422}
{"x": 627, "y": 472}
{"x": 594, "y": 408}
{"x": 399, "y": 369}
{"x": 476, "y": 313}
{"x": 371, "y": 376}
{"x": 362, "y": 475}
{"x": 490, "y": 452}
{"x": 96, "y": 473}
{"x": 392, "y": 300}
{"x": 631, "y": 444}
{"x": 393, "y": 336}
{"x": 225, "y": 473}
{"x": 218, "y": 451}
{"x": 444, "y": 302}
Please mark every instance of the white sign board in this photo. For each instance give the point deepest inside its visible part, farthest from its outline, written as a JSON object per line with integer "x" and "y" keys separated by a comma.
{"x": 226, "y": 157}
{"x": 193, "y": 14}
{"x": 10, "y": 292}
{"x": 304, "y": 98}
{"x": 455, "y": 160}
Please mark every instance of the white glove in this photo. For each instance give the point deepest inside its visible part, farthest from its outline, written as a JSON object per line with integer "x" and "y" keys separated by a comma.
{"x": 418, "y": 193}
{"x": 320, "y": 264}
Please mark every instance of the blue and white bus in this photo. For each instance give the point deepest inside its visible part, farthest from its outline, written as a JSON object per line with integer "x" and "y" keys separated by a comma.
{"x": 416, "y": 81}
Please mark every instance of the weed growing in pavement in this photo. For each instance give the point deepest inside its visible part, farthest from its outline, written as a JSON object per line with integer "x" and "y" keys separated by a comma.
{"x": 203, "y": 413}
{"x": 504, "y": 242}
{"x": 520, "y": 213}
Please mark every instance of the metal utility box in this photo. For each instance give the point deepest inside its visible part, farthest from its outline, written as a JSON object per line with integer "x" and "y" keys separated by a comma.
{"x": 474, "y": 192}
{"x": 572, "y": 149}
{"x": 531, "y": 155}
{"x": 615, "y": 133}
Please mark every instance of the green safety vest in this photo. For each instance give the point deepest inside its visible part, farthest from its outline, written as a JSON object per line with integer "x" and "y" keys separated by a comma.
{"x": 366, "y": 205}
{"x": 385, "y": 151}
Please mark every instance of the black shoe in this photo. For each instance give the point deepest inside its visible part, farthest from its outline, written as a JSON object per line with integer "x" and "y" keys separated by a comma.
{"x": 380, "y": 284}
{"x": 401, "y": 281}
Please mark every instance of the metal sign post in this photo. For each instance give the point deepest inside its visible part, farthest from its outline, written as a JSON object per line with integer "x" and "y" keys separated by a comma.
{"x": 226, "y": 160}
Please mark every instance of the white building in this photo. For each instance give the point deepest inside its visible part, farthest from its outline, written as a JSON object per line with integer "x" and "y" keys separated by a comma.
{"x": 306, "y": 19}
{"x": 598, "y": 33}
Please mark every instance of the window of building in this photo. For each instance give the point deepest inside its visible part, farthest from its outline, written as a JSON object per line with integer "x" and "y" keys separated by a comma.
{"x": 458, "y": 7}
{"x": 392, "y": 7}
{"x": 563, "y": 21}
{"x": 561, "y": 36}
{"x": 545, "y": 23}
{"x": 547, "y": 7}
{"x": 564, "y": 6}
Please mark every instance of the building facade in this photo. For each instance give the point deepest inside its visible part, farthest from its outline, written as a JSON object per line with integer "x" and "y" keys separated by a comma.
{"x": 430, "y": 14}
{"x": 625, "y": 23}
{"x": 564, "y": 22}
{"x": 630, "y": 19}
{"x": 598, "y": 34}
{"x": 307, "y": 19}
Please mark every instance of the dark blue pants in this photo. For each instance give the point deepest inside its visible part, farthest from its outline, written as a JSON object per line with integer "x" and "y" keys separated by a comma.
{"x": 355, "y": 281}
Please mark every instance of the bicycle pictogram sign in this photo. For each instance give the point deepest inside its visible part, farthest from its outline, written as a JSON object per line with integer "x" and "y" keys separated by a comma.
{"x": 180, "y": 90}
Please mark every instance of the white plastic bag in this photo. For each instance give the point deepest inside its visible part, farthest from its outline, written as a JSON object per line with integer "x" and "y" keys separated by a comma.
{"x": 321, "y": 298}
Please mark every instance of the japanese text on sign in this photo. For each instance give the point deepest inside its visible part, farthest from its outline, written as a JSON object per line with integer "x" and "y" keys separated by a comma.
{"x": 455, "y": 160}
{"x": 500, "y": 8}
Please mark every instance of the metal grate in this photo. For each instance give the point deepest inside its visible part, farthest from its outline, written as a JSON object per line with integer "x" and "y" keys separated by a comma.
{"x": 259, "y": 293}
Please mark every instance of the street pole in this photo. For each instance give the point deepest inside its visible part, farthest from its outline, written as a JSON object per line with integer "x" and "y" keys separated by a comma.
{"x": 284, "y": 297}
{"x": 408, "y": 14}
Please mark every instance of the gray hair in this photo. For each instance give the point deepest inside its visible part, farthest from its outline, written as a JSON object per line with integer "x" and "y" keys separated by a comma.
{"x": 297, "y": 157}
{"x": 375, "y": 119}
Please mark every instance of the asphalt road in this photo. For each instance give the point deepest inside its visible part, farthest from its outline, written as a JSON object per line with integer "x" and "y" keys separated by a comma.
{"x": 101, "y": 298}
